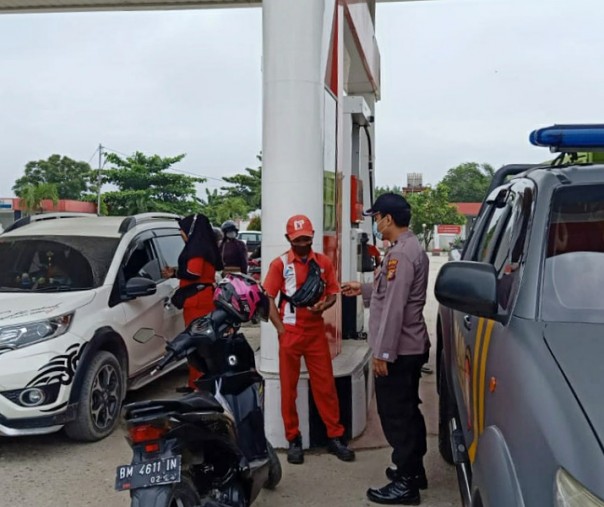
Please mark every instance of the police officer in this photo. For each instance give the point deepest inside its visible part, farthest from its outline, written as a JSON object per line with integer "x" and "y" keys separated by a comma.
{"x": 399, "y": 343}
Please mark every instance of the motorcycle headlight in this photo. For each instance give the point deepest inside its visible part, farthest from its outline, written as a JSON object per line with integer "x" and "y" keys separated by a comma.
{"x": 22, "y": 335}
{"x": 571, "y": 493}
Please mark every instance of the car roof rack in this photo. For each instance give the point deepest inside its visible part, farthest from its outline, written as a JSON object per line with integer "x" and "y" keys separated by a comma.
{"x": 507, "y": 171}
{"x": 30, "y": 219}
{"x": 131, "y": 221}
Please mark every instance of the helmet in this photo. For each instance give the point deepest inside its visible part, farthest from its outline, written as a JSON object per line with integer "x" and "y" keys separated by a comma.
{"x": 241, "y": 297}
{"x": 229, "y": 225}
{"x": 217, "y": 234}
{"x": 312, "y": 289}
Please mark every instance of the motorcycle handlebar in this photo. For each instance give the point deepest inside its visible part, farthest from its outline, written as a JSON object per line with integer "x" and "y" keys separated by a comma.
{"x": 185, "y": 342}
{"x": 164, "y": 361}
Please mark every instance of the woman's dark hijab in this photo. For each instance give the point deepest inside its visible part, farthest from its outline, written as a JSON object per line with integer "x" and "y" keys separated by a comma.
{"x": 201, "y": 243}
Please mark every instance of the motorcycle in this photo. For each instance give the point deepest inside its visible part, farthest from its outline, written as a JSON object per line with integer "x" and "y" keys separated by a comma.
{"x": 254, "y": 268}
{"x": 456, "y": 249}
{"x": 208, "y": 448}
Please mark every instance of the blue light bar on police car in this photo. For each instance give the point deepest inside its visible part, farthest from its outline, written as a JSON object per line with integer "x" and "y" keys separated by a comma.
{"x": 570, "y": 138}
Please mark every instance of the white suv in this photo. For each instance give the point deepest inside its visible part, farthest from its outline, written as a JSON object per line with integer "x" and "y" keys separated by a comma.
{"x": 84, "y": 316}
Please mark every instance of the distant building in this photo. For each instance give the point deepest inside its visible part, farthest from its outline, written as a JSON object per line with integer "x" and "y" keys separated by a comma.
{"x": 414, "y": 184}
{"x": 468, "y": 209}
{"x": 11, "y": 209}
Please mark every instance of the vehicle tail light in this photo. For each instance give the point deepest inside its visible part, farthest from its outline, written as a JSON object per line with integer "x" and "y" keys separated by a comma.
{"x": 146, "y": 433}
{"x": 152, "y": 447}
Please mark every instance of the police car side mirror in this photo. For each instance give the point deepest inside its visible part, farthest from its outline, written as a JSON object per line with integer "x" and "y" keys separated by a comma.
{"x": 469, "y": 287}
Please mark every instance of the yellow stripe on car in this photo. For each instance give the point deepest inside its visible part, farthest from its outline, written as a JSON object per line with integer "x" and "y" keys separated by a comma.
{"x": 483, "y": 367}
{"x": 472, "y": 449}
{"x": 481, "y": 352}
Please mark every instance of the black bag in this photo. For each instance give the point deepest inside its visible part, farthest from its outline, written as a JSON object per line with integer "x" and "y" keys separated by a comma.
{"x": 311, "y": 291}
{"x": 183, "y": 293}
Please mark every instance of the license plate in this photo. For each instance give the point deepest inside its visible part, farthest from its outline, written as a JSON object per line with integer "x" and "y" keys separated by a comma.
{"x": 148, "y": 473}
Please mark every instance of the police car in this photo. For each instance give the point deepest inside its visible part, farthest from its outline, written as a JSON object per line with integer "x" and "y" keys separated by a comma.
{"x": 521, "y": 334}
{"x": 84, "y": 316}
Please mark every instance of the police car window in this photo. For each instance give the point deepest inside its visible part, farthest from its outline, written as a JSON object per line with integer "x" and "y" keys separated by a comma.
{"x": 513, "y": 239}
{"x": 491, "y": 235}
{"x": 510, "y": 251}
{"x": 573, "y": 274}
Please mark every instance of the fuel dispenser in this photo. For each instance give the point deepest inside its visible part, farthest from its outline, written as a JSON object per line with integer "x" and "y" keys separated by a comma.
{"x": 357, "y": 188}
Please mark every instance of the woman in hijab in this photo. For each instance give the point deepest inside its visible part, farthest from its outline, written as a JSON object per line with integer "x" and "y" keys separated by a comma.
{"x": 197, "y": 264}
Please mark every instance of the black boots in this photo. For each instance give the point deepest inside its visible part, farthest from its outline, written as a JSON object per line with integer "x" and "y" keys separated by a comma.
{"x": 339, "y": 448}
{"x": 403, "y": 491}
{"x": 421, "y": 481}
{"x": 295, "y": 453}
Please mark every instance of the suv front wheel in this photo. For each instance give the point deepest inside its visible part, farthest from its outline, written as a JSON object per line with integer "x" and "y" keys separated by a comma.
{"x": 100, "y": 400}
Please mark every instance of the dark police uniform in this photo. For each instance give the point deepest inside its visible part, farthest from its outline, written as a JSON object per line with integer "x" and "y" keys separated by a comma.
{"x": 398, "y": 335}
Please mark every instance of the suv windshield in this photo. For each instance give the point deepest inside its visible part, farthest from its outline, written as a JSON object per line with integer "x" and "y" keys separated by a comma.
{"x": 574, "y": 266}
{"x": 54, "y": 263}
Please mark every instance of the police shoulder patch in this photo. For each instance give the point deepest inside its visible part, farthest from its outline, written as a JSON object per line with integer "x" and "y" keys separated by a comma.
{"x": 391, "y": 269}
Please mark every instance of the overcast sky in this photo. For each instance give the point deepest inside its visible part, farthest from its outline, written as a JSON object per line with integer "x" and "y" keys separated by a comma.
{"x": 462, "y": 80}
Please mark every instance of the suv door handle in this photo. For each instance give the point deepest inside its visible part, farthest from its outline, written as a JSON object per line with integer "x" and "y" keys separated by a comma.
{"x": 467, "y": 322}
{"x": 167, "y": 303}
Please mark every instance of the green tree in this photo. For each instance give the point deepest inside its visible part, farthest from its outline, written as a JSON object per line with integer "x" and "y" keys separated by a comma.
{"x": 32, "y": 196}
{"x": 429, "y": 208}
{"x": 144, "y": 185}
{"x": 71, "y": 178}
{"x": 219, "y": 207}
{"x": 210, "y": 204}
{"x": 255, "y": 224}
{"x": 383, "y": 190}
{"x": 468, "y": 182}
{"x": 247, "y": 186}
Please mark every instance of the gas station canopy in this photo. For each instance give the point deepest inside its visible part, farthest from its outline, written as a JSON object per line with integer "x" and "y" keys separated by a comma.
{"x": 23, "y": 6}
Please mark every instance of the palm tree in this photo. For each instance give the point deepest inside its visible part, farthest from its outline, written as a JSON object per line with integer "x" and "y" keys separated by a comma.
{"x": 33, "y": 195}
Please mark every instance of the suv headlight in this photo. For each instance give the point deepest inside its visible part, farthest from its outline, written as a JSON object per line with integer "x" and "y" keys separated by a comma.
{"x": 22, "y": 335}
{"x": 571, "y": 493}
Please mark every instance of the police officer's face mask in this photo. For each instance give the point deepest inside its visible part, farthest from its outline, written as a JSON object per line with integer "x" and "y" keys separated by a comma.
{"x": 231, "y": 234}
{"x": 376, "y": 231}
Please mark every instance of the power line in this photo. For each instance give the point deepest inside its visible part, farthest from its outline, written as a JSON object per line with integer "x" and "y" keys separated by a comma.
{"x": 92, "y": 156}
{"x": 196, "y": 174}
{"x": 116, "y": 151}
{"x": 182, "y": 171}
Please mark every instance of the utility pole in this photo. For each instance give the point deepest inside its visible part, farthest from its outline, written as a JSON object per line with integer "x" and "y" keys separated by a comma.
{"x": 99, "y": 181}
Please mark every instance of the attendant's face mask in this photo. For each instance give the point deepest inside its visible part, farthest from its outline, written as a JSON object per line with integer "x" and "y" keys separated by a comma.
{"x": 231, "y": 234}
{"x": 302, "y": 246}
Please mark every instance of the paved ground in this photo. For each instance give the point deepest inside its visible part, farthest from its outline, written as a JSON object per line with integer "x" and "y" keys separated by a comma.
{"x": 52, "y": 471}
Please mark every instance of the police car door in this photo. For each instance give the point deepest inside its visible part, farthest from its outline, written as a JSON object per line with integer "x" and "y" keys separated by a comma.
{"x": 501, "y": 242}
{"x": 472, "y": 332}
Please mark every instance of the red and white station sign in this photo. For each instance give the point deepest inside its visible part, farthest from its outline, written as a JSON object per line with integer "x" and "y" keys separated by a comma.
{"x": 448, "y": 229}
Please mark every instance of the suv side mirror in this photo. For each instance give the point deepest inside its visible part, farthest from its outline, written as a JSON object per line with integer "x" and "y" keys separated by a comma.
{"x": 138, "y": 287}
{"x": 469, "y": 287}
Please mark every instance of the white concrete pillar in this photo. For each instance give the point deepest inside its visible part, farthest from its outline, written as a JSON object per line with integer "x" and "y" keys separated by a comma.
{"x": 295, "y": 48}
{"x": 296, "y": 44}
